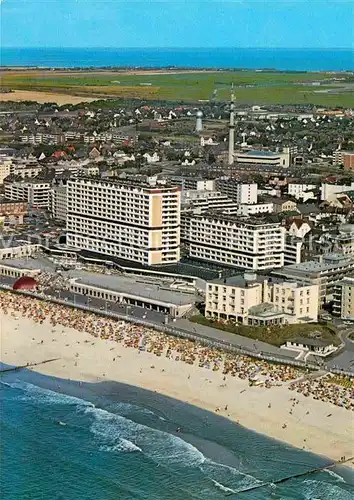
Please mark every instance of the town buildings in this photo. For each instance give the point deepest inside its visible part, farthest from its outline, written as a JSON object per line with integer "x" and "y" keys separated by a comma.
{"x": 137, "y": 222}
{"x": 261, "y": 300}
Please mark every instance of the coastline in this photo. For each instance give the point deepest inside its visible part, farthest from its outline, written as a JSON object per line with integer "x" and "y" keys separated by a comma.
{"x": 88, "y": 359}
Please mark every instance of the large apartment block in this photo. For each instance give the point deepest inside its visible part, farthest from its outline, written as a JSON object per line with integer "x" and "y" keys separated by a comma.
{"x": 239, "y": 192}
{"x": 135, "y": 222}
{"x": 35, "y": 191}
{"x": 238, "y": 242}
{"x": 261, "y": 300}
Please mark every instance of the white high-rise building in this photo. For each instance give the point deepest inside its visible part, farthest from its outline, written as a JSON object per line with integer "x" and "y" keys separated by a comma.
{"x": 234, "y": 241}
{"x": 238, "y": 191}
{"x": 135, "y": 222}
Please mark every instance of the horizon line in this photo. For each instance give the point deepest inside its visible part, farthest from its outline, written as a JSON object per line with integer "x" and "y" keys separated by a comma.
{"x": 178, "y": 48}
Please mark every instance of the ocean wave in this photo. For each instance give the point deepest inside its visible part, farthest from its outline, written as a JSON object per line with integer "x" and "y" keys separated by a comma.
{"x": 312, "y": 489}
{"x": 223, "y": 488}
{"x": 31, "y": 392}
{"x": 129, "y": 408}
{"x": 117, "y": 433}
{"x": 333, "y": 474}
{"x": 164, "y": 449}
{"x": 229, "y": 476}
{"x": 122, "y": 446}
{"x": 161, "y": 447}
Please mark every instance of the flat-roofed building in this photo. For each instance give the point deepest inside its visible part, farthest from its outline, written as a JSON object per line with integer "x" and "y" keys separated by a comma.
{"x": 240, "y": 192}
{"x": 333, "y": 268}
{"x": 206, "y": 201}
{"x": 261, "y": 300}
{"x": 35, "y": 191}
{"x": 264, "y": 158}
{"x": 343, "y": 298}
{"x": 254, "y": 209}
{"x": 143, "y": 292}
{"x": 299, "y": 189}
{"x": 136, "y": 222}
{"x": 245, "y": 243}
{"x": 306, "y": 346}
{"x": 11, "y": 248}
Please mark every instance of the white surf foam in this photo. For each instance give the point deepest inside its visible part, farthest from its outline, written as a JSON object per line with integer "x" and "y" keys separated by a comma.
{"x": 325, "y": 491}
{"x": 160, "y": 446}
{"x": 336, "y": 476}
{"x": 46, "y": 396}
{"x": 164, "y": 449}
{"x": 223, "y": 488}
{"x": 122, "y": 446}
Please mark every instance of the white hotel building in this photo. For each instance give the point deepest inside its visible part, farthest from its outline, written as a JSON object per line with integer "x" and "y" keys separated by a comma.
{"x": 233, "y": 241}
{"x": 135, "y": 222}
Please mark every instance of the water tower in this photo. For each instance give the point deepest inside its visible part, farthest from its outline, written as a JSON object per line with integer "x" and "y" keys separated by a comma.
{"x": 199, "y": 123}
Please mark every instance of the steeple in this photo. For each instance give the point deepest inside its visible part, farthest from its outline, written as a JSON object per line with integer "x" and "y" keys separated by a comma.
{"x": 232, "y": 127}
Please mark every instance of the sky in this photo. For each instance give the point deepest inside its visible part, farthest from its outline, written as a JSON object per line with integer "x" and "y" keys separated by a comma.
{"x": 183, "y": 23}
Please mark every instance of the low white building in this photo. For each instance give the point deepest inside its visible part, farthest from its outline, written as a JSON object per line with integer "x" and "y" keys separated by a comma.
{"x": 301, "y": 191}
{"x": 314, "y": 346}
{"x": 256, "y": 208}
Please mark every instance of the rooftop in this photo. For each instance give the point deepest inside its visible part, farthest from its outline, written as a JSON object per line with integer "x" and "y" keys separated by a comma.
{"x": 249, "y": 279}
{"x": 133, "y": 184}
{"x": 157, "y": 290}
{"x": 256, "y": 152}
{"x": 236, "y": 219}
{"x": 330, "y": 261}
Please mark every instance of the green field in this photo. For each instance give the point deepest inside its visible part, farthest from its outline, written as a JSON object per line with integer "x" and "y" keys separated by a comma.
{"x": 250, "y": 87}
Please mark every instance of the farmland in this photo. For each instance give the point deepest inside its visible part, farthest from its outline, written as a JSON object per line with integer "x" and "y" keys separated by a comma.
{"x": 251, "y": 87}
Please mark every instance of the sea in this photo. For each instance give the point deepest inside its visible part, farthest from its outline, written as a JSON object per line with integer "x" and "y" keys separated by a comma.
{"x": 66, "y": 440}
{"x": 222, "y": 58}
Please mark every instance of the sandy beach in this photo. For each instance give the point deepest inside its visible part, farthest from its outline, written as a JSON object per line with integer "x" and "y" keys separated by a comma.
{"x": 271, "y": 408}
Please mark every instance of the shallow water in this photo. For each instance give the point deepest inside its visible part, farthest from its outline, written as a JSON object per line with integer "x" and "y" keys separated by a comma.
{"x": 62, "y": 440}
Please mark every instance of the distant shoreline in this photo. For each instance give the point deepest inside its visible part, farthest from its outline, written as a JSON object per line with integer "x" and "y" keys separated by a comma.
{"x": 168, "y": 70}
{"x": 182, "y": 59}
